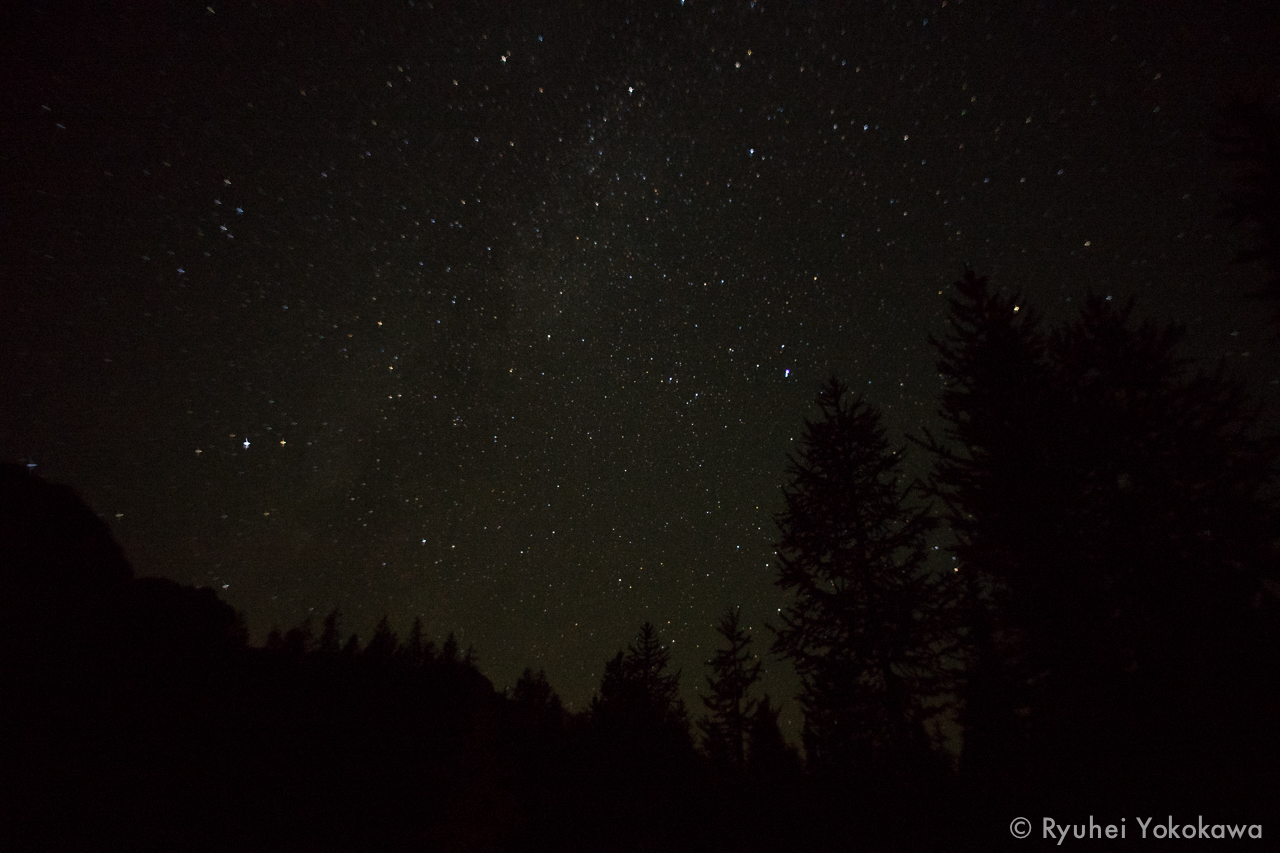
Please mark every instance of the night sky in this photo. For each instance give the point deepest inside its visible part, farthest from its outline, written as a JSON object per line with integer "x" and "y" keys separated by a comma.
{"x": 507, "y": 316}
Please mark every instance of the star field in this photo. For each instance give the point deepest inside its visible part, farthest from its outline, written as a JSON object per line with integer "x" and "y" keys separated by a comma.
{"x": 508, "y": 318}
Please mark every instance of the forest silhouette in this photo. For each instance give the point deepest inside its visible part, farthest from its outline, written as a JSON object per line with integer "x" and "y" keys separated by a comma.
{"x": 1105, "y": 637}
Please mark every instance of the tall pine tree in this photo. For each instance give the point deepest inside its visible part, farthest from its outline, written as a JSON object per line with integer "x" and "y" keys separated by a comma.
{"x": 730, "y": 706}
{"x": 1251, "y": 139}
{"x": 1154, "y": 607}
{"x": 638, "y": 696}
{"x": 1110, "y": 527}
{"x": 643, "y": 773}
{"x": 992, "y": 480}
{"x": 858, "y": 624}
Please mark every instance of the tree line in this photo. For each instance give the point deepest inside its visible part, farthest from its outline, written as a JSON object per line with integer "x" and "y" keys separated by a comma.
{"x": 1103, "y": 622}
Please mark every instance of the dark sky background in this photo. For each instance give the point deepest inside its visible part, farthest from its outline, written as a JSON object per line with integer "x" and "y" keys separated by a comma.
{"x": 508, "y": 315}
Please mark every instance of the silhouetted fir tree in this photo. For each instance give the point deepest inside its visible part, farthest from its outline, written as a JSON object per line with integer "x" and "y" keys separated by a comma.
{"x": 646, "y": 664}
{"x": 1251, "y": 139}
{"x": 991, "y": 477}
{"x": 642, "y": 757}
{"x": 351, "y": 648}
{"x": 416, "y": 650}
{"x": 539, "y": 740}
{"x": 729, "y": 704}
{"x": 639, "y": 701}
{"x": 382, "y": 646}
{"x": 535, "y": 697}
{"x": 768, "y": 754}
{"x": 539, "y": 715}
{"x": 613, "y": 685}
{"x": 1156, "y": 605}
{"x": 449, "y": 651}
{"x": 1110, "y": 527}
{"x": 458, "y": 669}
{"x": 331, "y": 634}
{"x": 858, "y": 625}
{"x": 299, "y": 640}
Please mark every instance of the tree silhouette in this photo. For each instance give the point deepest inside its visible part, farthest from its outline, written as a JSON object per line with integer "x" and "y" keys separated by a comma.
{"x": 300, "y": 640}
{"x": 1112, "y": 535}
{"x": 331, "y": 634}
{"x": 641, "y": 755}
{"x": 1158, "y": 574}
{"x": 536, "y": 699}
{"x": 638, "y": 692}
{"x": 417, "y": 650}
{"x": 991, "y": 478}
{"x": 1251, "y": 139}
{"x": 449, "y": 651}
{"x": 857, "y": 626}
{"x": 768, "y": 753}
{"x": 730, "y": 707}
{"x": 383, "y": 644}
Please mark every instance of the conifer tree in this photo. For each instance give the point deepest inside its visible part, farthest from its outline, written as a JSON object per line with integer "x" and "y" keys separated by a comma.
{"x": 768, "y": 753}
{"x": 331, "y": 633}
{"x": 1109, "y": 529}
{"x": 735, "y": 670}
{"x": 417, "y": 650}
{"x": 857, "y": 626}
{"x": 637, "y": 692}
{"x": 533, "y": 691}
{"x": 536, "y": 700}
{"x": 1251, "y": 139}
{"x": 449, "y": 651}
{"x": 300, "y": 640}
{"x": 384, "y": 642}
{"x": 1158, "y": 578}
{"x": 992, "y": 478}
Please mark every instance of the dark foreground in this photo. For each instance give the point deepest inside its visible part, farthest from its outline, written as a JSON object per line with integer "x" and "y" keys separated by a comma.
{"x": 137, "y": 718}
